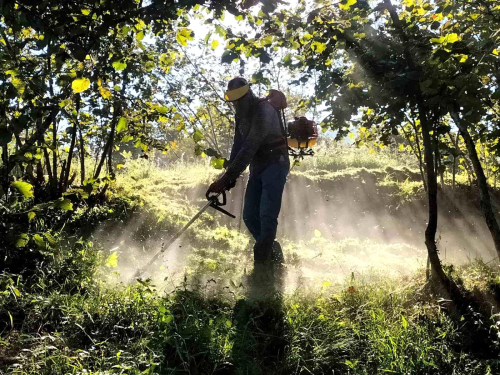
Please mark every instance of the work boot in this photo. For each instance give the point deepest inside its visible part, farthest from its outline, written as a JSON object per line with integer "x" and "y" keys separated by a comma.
{"x": 277, "y": 256}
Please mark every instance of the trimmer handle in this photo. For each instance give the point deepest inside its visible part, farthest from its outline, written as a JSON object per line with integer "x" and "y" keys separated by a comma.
{"x": 216, "y": 203}
{"x": 215, "y": 198}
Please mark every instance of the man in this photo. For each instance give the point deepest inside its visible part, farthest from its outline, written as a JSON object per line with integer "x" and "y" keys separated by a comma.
{"x": 259, "y": 141}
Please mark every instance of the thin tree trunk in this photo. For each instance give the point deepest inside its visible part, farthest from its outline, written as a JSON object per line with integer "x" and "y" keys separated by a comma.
{"x": 110, "y": 157}
{"x": 430, "y": 232}
{"x": 54, "y": 156}
{"x": 8, "y": 165}
{"x": 82, "y": 156}
{"x": 485, "y": 200}
{"x": 109, "y": 142}
{"x": 420, "y": 159}
{"x": 47, "y": 164}
{"x": 70, "y": 159}
{"x": 61, "y": 177}
{"x": 72, "y": 144}
{"x": 416, "y": 152}
{"x": 454, "y": 170}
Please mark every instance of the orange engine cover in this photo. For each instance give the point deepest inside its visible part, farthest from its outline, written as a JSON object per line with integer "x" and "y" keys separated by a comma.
{"x": 302, "y": 133}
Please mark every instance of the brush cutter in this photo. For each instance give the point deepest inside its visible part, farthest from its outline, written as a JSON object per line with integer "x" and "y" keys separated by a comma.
{"x": 214, "y": 202}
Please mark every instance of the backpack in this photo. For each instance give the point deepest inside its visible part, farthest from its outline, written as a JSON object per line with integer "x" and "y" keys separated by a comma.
{"x": 301, "y": 133}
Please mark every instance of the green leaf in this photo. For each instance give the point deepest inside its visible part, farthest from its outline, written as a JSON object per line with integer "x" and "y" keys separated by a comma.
{"x": 12, "y": 72}
{"x": 50, "y": 238}
{"x": 64, "y": 204}
{"x": 139, "y": 36}
{"x": 404, "y": 322}
{"x": 207, "y": 37}
{"x": 119, "y": 65}
{"x": 80, "y": 85}
{"x": 112, "y": 260}
{"x": 197, "y": 136}
{"x": 122, "y": 125}
{"x": 22, "y": 240}
{"x": 124, "y": 30}
{"x": 39, "y": 241}
{"x": 24, "y": 188}
{"x": 19, "y": 85}
{"x": 217, "y": 163}
{"x": 229, "y": 324}
{"x": 31, "y": 215}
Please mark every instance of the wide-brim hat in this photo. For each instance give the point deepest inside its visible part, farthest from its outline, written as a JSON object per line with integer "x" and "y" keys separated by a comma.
{"x": 233, "y": 95}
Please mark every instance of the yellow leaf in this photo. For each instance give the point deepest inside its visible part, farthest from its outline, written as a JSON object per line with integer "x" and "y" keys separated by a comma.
{"x": 183, "y": 35}
{"x": 318, "y": 47}
{"x": 401, "y": 147}
{"x": 139, "y": 36}
{"x": 496, "y": 52}
{"x": 119, "y": 65}
{"x": 122, "y": 125}
{"x": 347, "y": 5}
{"x": 80, "y": 85}
{"x": 215, "y": 43}
{"x": 105, "y": 93}
{"x": 317, "y": 233}
{"x": 19, "y": 85}
{"x": 112, "y": 260}
{"x": 85, "y": 12}
{"x": 119, "y": 166}
{"x": 451, "y": 38}
{"x": 327, "y": 283}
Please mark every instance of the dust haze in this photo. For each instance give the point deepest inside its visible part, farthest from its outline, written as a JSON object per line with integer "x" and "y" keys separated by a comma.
{"x": 331, "y": 230}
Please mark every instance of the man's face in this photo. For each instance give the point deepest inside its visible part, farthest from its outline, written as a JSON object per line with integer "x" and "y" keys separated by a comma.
{"x": 239, "y": 105}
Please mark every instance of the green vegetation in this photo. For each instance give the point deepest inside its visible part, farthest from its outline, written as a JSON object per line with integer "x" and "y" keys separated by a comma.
{"x": 71, "y": 316}
{"x": 112, "y": 123}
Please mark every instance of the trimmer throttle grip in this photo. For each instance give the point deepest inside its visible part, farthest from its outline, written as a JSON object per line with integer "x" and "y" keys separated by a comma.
{"x": 215, "y": 198}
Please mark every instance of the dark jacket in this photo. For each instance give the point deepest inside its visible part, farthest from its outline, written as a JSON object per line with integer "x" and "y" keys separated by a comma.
{"x": 258, "y": 141}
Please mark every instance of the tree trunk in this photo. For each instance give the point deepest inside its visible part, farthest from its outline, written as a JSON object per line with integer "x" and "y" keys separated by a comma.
{"x": 109, "y": 142}
{"x": 82, "y": 156}
{"x": 455, "y": 154}
{"x": 70, "y": 159}
{"x": 430, "y": 232}
{"x": 420, "y": 161}
{"x": 55, "y": 193}
{"x": 8, "y": 161}
{"x": 416, "y": 151}
{"x": 485, "y": 200}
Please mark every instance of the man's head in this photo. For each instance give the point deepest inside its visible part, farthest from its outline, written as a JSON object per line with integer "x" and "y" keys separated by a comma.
{"x": 239, "y": 94}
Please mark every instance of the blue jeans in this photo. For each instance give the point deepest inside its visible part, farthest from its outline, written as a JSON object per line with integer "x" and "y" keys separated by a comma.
{"x": 262, "y": 207}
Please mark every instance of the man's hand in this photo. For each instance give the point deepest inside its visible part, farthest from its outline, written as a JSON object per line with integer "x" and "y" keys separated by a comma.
{"x": 216, "y": 187}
